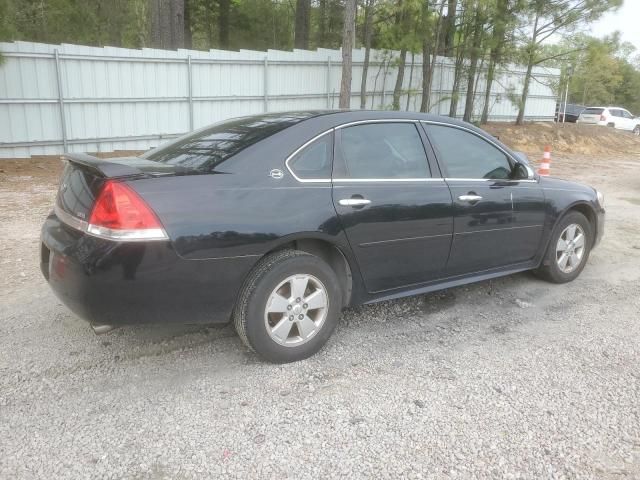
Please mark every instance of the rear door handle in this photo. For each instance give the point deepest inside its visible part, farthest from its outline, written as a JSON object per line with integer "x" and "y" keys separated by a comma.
{"x": 469, "y": 198}
{"x": 354, "y": 202}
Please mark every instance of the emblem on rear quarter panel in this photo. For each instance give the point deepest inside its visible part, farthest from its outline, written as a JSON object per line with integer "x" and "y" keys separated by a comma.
{"x": 276, "y": 173}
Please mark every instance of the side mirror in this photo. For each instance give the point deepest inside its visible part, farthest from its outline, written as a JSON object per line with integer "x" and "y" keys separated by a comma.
{"x": 523, "y": 171}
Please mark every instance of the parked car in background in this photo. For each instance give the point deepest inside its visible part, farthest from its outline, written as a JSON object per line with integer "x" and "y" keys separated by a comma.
{"x": 573, "y": 111}
{"x": 615, "y": 117}
{"x": 278, "y": 221}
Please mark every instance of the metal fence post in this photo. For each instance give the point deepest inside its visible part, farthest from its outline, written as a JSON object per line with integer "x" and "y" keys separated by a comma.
{"x": 440, "y": 86}
{"x": 266, "y": 84}
{"x": 63, "y": 122}
{"x": 190, "y": 80}
{"x": 328, "y": 82}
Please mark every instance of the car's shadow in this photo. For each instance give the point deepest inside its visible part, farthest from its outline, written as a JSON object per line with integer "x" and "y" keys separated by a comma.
{"x": 446, "y": 309}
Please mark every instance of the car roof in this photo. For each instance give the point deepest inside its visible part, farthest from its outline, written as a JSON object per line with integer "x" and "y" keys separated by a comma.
{"x": 609, "y": 107}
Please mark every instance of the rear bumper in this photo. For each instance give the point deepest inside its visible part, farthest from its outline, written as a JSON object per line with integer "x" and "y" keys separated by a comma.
{"x": 118, "y": 283}
{"x": 601, "y": 123}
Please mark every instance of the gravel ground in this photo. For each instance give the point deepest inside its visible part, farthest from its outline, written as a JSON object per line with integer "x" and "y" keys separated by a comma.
{"x": 512, "y": 378}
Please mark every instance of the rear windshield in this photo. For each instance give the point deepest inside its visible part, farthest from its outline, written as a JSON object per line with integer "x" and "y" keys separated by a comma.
{"x": 206, "y": 148}
{"x": 593, "y": 111}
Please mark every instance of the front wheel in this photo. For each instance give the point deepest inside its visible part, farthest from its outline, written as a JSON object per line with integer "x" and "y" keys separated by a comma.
{"x": 636, "y": 131}
{"x": 568, "y": 249}
{"x": 288, "y": 307}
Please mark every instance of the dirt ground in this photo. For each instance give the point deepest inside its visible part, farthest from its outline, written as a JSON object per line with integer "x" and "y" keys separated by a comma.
{"x": 511, "y": 378}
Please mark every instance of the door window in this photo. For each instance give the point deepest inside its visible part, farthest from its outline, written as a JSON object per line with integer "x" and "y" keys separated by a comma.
{"x": 465, "y": 155}
{"x": 314, "y": 160}
{"x": 381, "y": 150}
{"x": 626, "y": 114}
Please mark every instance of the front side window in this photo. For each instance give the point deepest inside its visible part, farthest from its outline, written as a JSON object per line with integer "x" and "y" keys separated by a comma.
{"x": 465, "y": 155}
{"x": 626, "y": 114}
{"x": 314, "y": 160}
{"x": 383, "y": 151}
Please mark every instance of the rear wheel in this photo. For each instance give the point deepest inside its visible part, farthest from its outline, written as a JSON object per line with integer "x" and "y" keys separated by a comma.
{"x": 568, "y": 249}
{"x": 288, "y": 307}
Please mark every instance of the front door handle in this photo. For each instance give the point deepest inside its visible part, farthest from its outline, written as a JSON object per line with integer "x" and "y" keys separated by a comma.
{"x": 354, "y": 202}
{"x": 469, "y": 198}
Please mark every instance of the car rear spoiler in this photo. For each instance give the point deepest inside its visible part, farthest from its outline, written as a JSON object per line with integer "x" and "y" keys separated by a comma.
{"x": 103, "y": 167}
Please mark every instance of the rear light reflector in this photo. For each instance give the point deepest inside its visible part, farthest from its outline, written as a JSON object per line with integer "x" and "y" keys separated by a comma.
{"x": 120, "y": 214}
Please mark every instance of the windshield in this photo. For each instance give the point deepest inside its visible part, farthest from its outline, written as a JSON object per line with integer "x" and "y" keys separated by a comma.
{"x": 206, "y": 148}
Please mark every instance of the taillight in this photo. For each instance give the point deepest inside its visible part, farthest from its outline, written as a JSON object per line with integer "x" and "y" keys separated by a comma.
{"x": 120, "y": 214}
{"x": 603, "y": 118}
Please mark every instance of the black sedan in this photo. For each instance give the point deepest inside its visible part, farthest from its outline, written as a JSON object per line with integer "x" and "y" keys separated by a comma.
{"x": 277, "y": 222}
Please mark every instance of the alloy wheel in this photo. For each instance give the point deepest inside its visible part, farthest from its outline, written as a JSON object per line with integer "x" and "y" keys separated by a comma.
{"x": 296, "y": 310}
{"x": 570, "y": 248}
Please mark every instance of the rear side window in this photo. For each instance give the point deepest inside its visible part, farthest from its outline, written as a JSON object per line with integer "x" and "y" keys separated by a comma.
{"x": 314, "y": 160}
{"x": 593, "y": 111}
{"x": 204, "y": 149}
{"x": 381, "y": 150}
{"x": 465, "y": 155}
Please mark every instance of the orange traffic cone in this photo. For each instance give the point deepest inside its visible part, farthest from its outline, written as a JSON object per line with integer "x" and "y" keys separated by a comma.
{"x": 545, "y": 165}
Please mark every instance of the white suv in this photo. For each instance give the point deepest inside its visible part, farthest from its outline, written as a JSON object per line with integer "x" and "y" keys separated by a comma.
{"x": 610, "y": 117}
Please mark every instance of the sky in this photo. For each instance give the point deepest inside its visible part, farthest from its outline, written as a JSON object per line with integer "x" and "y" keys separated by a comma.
{"x": 625, "y": 20}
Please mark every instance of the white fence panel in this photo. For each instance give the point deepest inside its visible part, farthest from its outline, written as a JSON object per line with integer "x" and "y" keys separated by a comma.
{"x": 77, "y": 98}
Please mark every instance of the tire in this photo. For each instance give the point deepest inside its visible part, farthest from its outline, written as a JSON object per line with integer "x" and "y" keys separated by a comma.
{"x": 551, "y": 269}
{"x": 276, "y": 278}
{"x": 611, "y": 125}
{"x": 636, "y": 131}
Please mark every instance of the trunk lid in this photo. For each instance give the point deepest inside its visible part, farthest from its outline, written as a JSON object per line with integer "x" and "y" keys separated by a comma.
{"x": 84, "y": 175}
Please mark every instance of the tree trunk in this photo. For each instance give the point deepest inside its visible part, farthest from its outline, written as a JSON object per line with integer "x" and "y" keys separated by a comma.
{"x": 347, "y": 52}
{"x": 223, "y": 23}
{"x": 368, "y": 30}
{"x": 167, "y": 23}
{"x": 397, "y": 89}
{"x": 322, "y": 24}
{"x": 495, "y": 55}
{"x": 157, "y": 9}
{"x": 303, "y": 16}
{"x": 525, "y": 92}
{"x": 426, "y": 74}
{"x": 177, "y": 23}
{"x": 413, "y": 62}
{"x": 427, "y": 78}
{"x": 473, "y": 65}
{"x": 449, "y": 29}
{"x": 188, "y": 39}
{"x": 491, "y": 71}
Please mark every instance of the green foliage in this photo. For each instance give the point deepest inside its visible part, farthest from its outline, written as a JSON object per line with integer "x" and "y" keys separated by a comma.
{"x": 602, "y": 71}
{"x": 483, "y": 32}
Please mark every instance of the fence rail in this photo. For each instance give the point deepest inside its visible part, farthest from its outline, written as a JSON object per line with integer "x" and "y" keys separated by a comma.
{"x": 56, "y": 98}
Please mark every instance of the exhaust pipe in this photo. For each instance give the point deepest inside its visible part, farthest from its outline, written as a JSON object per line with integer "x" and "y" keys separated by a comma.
{"x": 102, "y": 329}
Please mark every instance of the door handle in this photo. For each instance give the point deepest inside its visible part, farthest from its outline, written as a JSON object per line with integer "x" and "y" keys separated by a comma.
{"x": 354, "y": 202}
{"x": 470, "y": 198}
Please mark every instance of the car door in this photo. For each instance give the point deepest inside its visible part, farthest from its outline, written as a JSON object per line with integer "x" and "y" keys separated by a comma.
{"x": 498, "y": 219}
{"x": 617, "y": 120}
{"x": 395, "y": 209}
{"x": 629, "y": 123}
